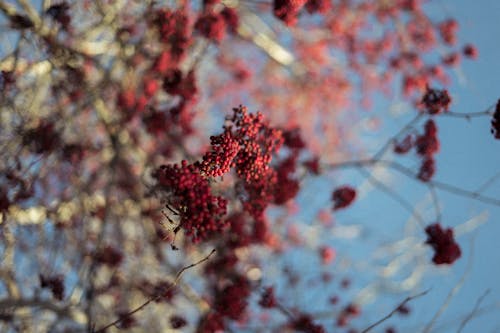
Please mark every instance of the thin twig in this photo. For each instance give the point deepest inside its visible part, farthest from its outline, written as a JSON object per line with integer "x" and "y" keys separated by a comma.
{"x": 410, "y": 174}
{"x": 35, "y": 303}
{"x": 452, "y": 292}
{"x": 451, "y": 321}
{"x": 487, "y": 112}
{"x": 440, "y": 185}
{"x": 394, "y": 195}
{"x": 488, "y": 183}
{"x": 156, "y": 297}
{"x": 473, "y": 312}
{"x": 436, "y": 203}
{"x": 380, "y": 321}
{"x": 90, "y": 292}
{"x": 409, "y": 125}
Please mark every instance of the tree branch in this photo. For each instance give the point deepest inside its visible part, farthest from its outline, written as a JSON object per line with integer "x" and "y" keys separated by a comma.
{"x": 473, "y": 312}
{"x": 156, "y": 297}
{"x": 380, "y": 321}
{"x": 410, "y": 174}
{"x": 63, "y": 311}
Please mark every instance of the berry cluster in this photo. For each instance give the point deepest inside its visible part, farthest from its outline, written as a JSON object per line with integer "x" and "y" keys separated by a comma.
{"x": 189, "y": 193}
{"x": 444, "y": 245}
{"x": 435, "y": 101}
{"x": 427, "y": 145}
{"x": 343, "y": 197}
{"x": 173, "y": 28}
{"x": 258, "y": 143}
{"x": 211, "y": 26}
{"x": 247, "y": 145}
{"x": 215, "y": 20}
{"x": 288, "y": 185}
{"x": 221, "y": 159}
{"x": 231, "y": 301}
{"x": 288, "y": 11}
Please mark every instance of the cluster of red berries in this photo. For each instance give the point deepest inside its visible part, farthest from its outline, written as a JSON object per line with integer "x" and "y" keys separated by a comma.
{"x": 287, "y": 186}
{"x": 289, "y": 10}
{"x": 231, "y": 301}
{"x": 221, "y": 158}
{"x": 189, "y": 193}
{"x": 173, "y": 28}
{"x": 211, "y": 322}
{"x": 215, "y": 20}
{"x": 258, "y": 143}
{"x": 343, "y": 197}
{"x": 247, "y": 145}
{"x": 427, "y": 145}
{"x": 211, "y": 25}
{"x": 435, "y": 101}
{"x": 448, "y": 31}
{"x": 444, "y": 245}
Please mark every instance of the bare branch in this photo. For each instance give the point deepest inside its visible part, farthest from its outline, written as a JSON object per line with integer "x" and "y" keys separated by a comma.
{"x": 488, "y": 112}
{"x": 156, "y": 297}
{"x": 63, "y": 311}
{"x": 452, "y": 292}
{"x": 394, "y": 195}
{"x": 410, "y": 174}
{"x": 473, "y": 312}
{"x": 408, "y": 126}
{"x": 407, "y": 299}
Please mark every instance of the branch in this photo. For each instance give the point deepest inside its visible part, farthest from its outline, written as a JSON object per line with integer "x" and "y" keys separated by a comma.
{"x": 410, "y": 174}
{"x": 487, "y": 112}
{"x": 63, "y": 311}
{"x": 394, "y": 195}
{"x": 157, "y": 297}
{"x": 435, "y": 200}
{"x": 101, "y": 236}
{"x": 267, "y": 43}
{"x": 473, "y": 312}
{"x": 408, "y": 126}
{"x": 380, "y": 321}
{"x": 488, "y": 183}
{"x": 452, "y": 292}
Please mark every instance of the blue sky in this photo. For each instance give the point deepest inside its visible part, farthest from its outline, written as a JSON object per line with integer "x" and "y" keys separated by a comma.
{"x": 469, "y": 156}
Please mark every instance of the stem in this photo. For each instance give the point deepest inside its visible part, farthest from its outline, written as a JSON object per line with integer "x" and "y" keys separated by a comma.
{"x": 380, "y": 321}
{"x": 156, "y": 297}
{"x": 410, "y": 174}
